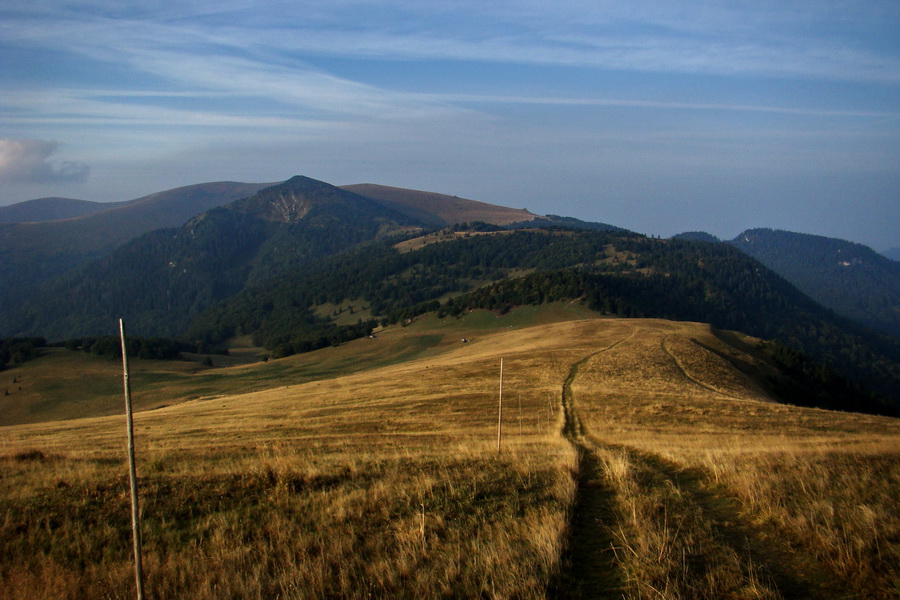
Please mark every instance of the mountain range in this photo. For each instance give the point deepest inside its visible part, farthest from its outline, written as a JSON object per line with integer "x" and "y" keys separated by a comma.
{"x": 851, "y": 279}
{"x": 34, "y": 249}
{"x": 286, "y": 263}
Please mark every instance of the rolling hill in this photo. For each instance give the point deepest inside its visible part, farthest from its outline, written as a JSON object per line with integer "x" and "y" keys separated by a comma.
{"x": 611, "y": 272}
{"x": 52, "y": 209}
{"x": 304, "y": 264}
{"x": 161, "y": 280}
{"x": 439, "y": 210}
{"x": 46, "y": 238}
{"x": 618, "y": 422}
{"x": 104, "y": 230}
{"x": 634, "y": 455}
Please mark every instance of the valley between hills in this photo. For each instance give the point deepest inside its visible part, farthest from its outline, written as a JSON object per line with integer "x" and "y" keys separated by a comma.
{"x": 639, "y": 458}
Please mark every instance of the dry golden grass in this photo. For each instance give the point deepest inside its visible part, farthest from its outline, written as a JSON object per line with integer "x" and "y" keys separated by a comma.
{"x": 376, "y": 474}
{"x": 787, "y": 499}
{"x": 450, "y": 209}
{"x": 385, "y": 483}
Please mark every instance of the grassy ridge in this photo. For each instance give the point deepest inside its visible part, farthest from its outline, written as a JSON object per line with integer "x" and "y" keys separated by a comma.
{"x": 384, "y": 483}
{"x": 67, "y": 385}
{"x": 385, "y": 480}
{"x": 720, "y": 494}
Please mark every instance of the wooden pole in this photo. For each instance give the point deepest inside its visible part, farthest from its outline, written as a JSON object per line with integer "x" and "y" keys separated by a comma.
{"x": 132, "y": 472}
{"x": 500, "y": 409}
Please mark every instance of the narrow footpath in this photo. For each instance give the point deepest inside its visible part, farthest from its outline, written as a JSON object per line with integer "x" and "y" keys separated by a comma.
{"x": 758, "y": 564}
{"x": 589, "y": 566}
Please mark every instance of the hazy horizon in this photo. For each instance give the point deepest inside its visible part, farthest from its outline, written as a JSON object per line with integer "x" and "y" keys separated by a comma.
{"x": 655, "y": 117}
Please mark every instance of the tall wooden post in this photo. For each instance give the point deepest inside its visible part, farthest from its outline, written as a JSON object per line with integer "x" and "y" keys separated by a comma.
{"x": 132, "y": 472}
{"x": 500, "y": 409}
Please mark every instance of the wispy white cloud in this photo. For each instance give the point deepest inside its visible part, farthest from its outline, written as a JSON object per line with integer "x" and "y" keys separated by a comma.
{"x": 28, "y": 161}
{"x": 209, "y": 63}
{"x": 654, "y": 104}
{"x": 763, "y": 39}
{"x": 197, "y": 51}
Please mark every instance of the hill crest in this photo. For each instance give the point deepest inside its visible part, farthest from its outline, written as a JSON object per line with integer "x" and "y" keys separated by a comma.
{"x": 52, "y": 209}
{"x": 440, "y": 209}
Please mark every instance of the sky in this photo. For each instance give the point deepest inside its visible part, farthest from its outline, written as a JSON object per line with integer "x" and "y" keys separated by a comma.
{"x": 657, "y": 116}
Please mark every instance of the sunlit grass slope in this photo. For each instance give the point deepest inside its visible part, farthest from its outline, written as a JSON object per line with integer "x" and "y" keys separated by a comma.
{"x": 384, "y": 482}
{"x": 67, "y": 385}
{"x": 721, "y": 494}
{"x": 372, "y": 470}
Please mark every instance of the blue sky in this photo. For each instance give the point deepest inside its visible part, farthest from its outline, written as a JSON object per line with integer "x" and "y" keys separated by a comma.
{"x": 661, "y": 117}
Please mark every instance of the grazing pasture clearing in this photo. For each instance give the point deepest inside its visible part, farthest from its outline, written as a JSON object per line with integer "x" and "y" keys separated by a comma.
{"x": 640, "y": 458}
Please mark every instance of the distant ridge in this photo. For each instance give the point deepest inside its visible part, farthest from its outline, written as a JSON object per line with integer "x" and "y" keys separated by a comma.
{"x": 439, "y": 210}
{"x": 52, "y": 209}
{"x": 849, "y": 278}
{"x": 697, "y": 236}
{"x": 164, "y": 278}
{"x": 34, "y": 252}
{"x": 112, "y": 227}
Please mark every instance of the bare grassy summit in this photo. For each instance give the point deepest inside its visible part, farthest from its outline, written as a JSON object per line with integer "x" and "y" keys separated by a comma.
{"x": 440, "y": 209}
{"x": 640, "y": 459}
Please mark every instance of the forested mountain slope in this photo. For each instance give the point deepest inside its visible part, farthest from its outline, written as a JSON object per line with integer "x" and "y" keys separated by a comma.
{"x": 614, "y": 273}
{"x": 852, "y": 279}
{"x": 161, "y": 280}
{"x": 304, "y": 264}
{"x": 34, "y": 252}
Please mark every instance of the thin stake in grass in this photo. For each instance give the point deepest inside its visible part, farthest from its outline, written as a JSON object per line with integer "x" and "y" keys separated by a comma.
{"x": 132, "y": 471}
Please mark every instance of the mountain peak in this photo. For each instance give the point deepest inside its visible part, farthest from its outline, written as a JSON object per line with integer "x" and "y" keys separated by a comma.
{"x": 292, "y": 200}
{"x": 697, "y": 236}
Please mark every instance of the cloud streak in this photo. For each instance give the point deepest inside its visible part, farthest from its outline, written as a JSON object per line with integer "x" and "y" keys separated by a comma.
{"x": 652, "y": 104}
{"x": 28, "y": 161}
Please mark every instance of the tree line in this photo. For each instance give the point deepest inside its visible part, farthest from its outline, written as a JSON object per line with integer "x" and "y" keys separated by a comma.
{"x": 615, "y": 273}
{"x": 17, "y": 350}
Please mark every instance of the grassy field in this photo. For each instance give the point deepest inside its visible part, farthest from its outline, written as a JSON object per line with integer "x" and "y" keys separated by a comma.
{"x": 719, "y": 493}
{"x": 640, "y": 458}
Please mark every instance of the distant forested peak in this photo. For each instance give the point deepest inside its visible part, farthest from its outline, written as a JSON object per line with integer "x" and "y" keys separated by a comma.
{"x": 849, "y": 278}
{"x": 697, "y": 236}
{"x": 292, "y": 200}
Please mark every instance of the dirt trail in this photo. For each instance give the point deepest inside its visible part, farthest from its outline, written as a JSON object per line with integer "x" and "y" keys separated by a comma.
{"x": 590, "y": 567}
{"x": 688, "y": 376}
